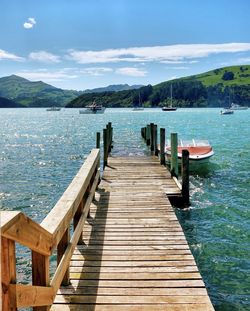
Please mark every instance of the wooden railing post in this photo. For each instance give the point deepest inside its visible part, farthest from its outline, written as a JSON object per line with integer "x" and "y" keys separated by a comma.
{"x": 152, "y": 137}
{"x": 8, "y": 273}
{"x": 105, "y": 148}
{"x": 40, "y": 274}
{"x": 155, "y": 140}
{"x": 185, "y": 177}
{"x": 61, "y": 247}
{"x": 162, "y": 146}
{"x": 174, "y": 155}
{"x": 148, "y": 134}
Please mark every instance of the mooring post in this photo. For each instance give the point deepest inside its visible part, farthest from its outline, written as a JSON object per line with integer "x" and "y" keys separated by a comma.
{"x": 174, "y": 155}
{"x": 185, "y": 177}
{"x": 142, "y": 133}
{"x": 152, "y": 136}
{"x": 155, "y": 140}
{"x": 148, "y": 134}
{"x": 105, "y": 148}
{"x": 162, "y": 146}
{"x": 98, "y": 140}
{"x": 109, "y": 136}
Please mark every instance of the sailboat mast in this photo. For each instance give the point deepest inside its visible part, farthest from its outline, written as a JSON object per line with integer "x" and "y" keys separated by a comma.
{"x": 171, "y": 94}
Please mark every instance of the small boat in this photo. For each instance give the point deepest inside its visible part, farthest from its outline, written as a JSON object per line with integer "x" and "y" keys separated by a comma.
{"x": 200, "y": 151}
{"x": 227, "y": 111}
{"x": 238, "y": 107}
{"x": 53, "y": 108}
{"x": 170, "y": 108}
{"x": 93, "y": 108}
{"x": 139, "y": 106}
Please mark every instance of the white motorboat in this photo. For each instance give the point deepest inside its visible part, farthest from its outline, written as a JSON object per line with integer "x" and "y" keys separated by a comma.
{"x": 92, "y": 109}
{"x": 200, "y": 151}
{"x": 238, "y": 107}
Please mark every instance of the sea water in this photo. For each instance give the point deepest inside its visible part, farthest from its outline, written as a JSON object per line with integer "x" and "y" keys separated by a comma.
{"x": 41, "y": 151}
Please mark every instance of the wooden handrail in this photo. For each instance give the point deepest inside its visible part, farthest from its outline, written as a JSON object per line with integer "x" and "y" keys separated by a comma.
{"x": 42, "y": 240}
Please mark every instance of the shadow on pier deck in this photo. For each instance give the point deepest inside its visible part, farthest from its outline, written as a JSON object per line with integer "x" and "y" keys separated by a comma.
{"x": 135, "y": 255}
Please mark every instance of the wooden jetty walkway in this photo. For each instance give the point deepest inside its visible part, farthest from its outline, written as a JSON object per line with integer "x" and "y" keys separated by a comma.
{"x": 127, "y": 252}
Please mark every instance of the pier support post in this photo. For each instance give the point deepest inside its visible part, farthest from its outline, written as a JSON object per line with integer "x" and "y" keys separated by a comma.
{"x": 105, "y": 148}
{"x": 152, "y": 137}
{"x": 148, "y": 134}
{"x": 162, "y": 146}
{"x": 185, "y": 177}
{"x": 98, "y": 140}
{"x": 174, "y": 155}
{"x": 155, "y": 140}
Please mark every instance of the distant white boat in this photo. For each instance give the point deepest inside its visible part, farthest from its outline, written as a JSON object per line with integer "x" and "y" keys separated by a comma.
{"x": 93, "y": 109}
{"x": 238, "y": 107}
{"x": 53, "y": 108}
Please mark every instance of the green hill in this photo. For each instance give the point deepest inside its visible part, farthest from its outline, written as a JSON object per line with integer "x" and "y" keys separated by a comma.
{"x": 241, "y": 76}
{"x": 34, "y": 94}
{"x": 211, "y": 89}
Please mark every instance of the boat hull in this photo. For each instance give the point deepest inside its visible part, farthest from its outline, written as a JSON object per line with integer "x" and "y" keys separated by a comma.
{"x": 169, "y": 108}
{"x": 91, "y": 111}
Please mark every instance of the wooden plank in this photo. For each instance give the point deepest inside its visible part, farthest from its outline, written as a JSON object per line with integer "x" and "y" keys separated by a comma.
{"x": 124, "y": 291}
{"x": 132, "y": 299}
{"x": 139, "y": 283}
{"x": 28, "y": 295}
{"x": 132, "y": 307}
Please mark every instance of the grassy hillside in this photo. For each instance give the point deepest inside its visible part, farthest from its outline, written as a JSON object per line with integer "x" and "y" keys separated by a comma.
{"x": 34, "y": 94}
{"x": 211, "y": 89}
{"x": 210, "y": 78}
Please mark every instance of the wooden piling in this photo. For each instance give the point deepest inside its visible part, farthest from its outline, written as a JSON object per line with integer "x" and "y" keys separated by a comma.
{"x": 152, "y": 137}
{"x": 185, "y": 177}
{"x": 174, "y": 155}
{"x": 162, "y": 146}
{"x": 148, "y": 134}
{"x": 155, "y": 140}
{"x": 105, "y": 148}
{"x": 98, "y": 140}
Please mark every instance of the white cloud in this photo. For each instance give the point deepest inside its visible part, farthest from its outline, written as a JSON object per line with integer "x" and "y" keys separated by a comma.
{"x": 29, "y": 23}
{"x": 131, "y": 71}
{"x": 164, "y": 54}
{"x": 9, "y": 56}
{"x": 46, "y": 75}
{"x": 96, "y": 71}
{"x": 45, "y": 57}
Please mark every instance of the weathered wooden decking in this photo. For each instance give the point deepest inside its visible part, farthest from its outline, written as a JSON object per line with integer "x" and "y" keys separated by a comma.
{"x": 135, "y": 255}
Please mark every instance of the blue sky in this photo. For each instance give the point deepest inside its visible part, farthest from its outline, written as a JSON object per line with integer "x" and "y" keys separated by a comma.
{"x": 82, "y": 44}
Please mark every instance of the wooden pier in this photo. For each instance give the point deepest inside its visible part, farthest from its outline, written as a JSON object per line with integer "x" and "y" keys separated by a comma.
{"x": 127, "y": 252}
